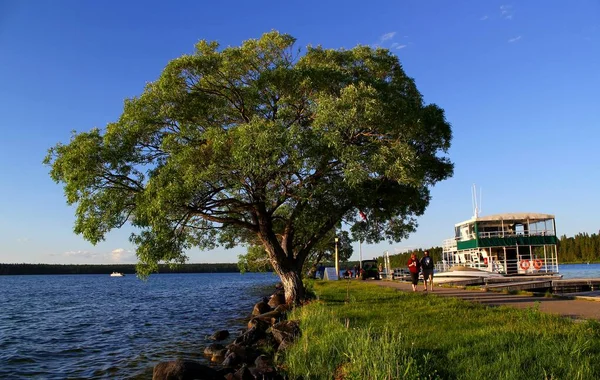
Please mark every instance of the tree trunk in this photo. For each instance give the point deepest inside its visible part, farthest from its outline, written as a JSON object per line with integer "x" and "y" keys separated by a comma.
{"x": 288, "y": 268}
{"x": 312, "y": 271}
{"x": 293, "y": 287}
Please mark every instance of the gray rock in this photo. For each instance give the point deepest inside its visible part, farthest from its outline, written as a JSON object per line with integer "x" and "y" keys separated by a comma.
{"x": 219, "y": 335}
{"x": 244, "y": 374}
{"x": 286, "y": 331}
{"x": 262, "y": 361}
{"x": 261, "y": 307}
{"x": 283, "y": 345}
{"x": 267, "y": 343}
{"x": 212, "y": 348}
{"x": 259, "y": 323}
{"x": 218, "y": 356}
{"x": 270, "y": 318}
{"x": 240, "y": 350}
{"x": 225, "y": 373}
{"x": 182, "y": 370}
{"x": 278, "y": 298}
{"x": 249, "y": 337}
{"x": 231, "y": 360}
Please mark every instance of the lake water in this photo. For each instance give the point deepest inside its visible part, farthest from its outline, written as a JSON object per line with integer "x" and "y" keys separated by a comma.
{"x": 96, "y": 326}
{"x": 579, "y": 270}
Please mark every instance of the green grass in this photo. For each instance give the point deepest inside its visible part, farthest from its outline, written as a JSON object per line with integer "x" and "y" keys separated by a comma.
{"x": 358, "y": 330}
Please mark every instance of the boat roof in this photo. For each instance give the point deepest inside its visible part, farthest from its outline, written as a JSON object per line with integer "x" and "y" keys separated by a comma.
{"x": 511, "y": 216}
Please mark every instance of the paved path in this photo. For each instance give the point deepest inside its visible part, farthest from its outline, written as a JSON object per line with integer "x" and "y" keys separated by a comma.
{"x": 580, "y": 308}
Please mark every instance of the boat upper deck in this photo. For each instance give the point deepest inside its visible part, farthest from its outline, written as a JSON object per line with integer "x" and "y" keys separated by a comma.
{"x": 504, "y": 230}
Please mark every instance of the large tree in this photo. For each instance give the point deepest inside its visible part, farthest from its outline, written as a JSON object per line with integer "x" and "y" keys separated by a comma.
{"x": 256, "y": 259}
{"x": 259, "y": 142}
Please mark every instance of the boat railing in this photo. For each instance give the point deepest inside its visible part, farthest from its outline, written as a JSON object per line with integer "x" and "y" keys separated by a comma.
{"x": 496, "y": 234}
{"x": 449, "y": 245}
{"x": 502, "y": 234}
{"x": 522, "y": 265}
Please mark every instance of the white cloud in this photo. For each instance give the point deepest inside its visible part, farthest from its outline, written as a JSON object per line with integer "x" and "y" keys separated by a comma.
{"x": 82, "y": 254}
{"x": 23, "y": 240}
{"x": 506, "y": 11}
{"x": 387, "y": 36}
{"x": 118, "y": 255}
{"x": 514, "y": 39}
{"x": 483, "y": 18}
{"x": 397, "y": 45}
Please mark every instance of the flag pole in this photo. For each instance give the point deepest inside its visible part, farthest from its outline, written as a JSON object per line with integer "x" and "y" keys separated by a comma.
{"x": 364, "y": 217}
{"x": 360, "y": 253}
{"x": 337, "y": 263}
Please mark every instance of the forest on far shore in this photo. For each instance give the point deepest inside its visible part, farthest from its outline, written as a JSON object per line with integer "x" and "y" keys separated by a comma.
{"x": 13, "y": 269}
{"x": 581, "y": 248}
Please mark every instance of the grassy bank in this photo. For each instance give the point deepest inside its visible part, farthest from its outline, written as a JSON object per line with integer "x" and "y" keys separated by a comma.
{"x": 358, "y": 330}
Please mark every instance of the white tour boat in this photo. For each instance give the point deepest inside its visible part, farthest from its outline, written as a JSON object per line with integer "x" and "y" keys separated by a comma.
{"x": 116, "y": 274}
{"x": 511, "y": 244}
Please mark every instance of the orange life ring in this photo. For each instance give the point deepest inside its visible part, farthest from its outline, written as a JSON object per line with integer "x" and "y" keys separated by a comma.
{"x": 524, "y": 264}
{"x": 537, "y": 264}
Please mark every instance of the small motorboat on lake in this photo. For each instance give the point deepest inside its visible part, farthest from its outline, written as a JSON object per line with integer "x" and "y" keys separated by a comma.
{"x": 116, "y": 274}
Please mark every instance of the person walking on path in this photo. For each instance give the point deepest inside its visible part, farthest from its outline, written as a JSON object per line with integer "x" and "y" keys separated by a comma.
{"x": 427, "y": 268}
{"x": 413, "y": 267}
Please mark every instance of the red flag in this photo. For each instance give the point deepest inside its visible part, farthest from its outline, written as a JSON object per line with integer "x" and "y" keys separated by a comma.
{"x": 362, "y": 215}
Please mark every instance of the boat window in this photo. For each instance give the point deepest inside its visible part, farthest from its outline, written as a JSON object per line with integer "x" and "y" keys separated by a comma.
{"x": 467, "y": 232}
{"x": 519, "y": 229}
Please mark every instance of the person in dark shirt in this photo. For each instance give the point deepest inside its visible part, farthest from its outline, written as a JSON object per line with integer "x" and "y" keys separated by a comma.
{"x": 413, "y": 267}
{"x": 427, "y": 268}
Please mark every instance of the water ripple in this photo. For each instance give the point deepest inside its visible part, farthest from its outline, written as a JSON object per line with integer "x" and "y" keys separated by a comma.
{"x": 94, "y": 326}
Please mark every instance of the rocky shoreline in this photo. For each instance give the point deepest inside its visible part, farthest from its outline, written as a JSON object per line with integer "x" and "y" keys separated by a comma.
{"x": 250, "y": 355}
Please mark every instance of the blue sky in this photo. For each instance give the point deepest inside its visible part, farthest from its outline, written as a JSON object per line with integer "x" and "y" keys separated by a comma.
{"x": 519, "y": 82}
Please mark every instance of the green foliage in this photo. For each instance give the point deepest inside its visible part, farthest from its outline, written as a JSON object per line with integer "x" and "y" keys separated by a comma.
{"x": 383, "y": 334}
{"x": 582, "y": 247}
{"x": 309, "y": 287}
{"x": 258, "y": 145}
{"x": 328, "y": 349}
{"x": 255, "y": 260}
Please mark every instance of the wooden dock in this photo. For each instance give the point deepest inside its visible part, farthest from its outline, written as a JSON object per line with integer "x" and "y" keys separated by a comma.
{"x": 576, "y": 285}
{"x": 533, "y": 284}
{"x": 539, "y": 285}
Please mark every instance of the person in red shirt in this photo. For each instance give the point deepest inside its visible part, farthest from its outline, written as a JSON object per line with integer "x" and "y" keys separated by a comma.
{"x": 413, "y": 267}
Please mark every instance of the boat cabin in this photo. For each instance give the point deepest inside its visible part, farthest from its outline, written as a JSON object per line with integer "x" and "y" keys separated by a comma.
{"x": 512, "y": 243}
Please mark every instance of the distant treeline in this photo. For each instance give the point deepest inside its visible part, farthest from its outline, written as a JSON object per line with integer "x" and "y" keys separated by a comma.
{"x": 583, "y": 247}
{"x": 13, "y": 269}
